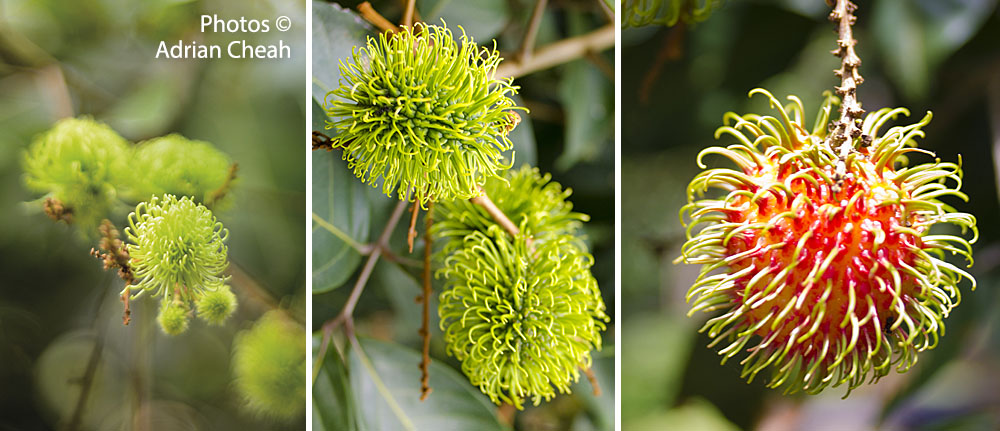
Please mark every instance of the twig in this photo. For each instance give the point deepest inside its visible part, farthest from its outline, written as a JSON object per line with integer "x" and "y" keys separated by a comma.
{"x": 223, "y": 190}
{"x": 528, "y": 43}
{"x": 402, "y": 260}
{"x": 846, "y": 129}
{"x": 408, "y": 13}
{"x": 371, "y": 15}
{"x": 559, "y": 52}
{"x": 55, "y": 209}
{"x": 498, "y": 216}
{"x": 602, "y": 64}
{"x": 592, "y": 378}
{"x": 345, "y": 316}
{"x": 425, "y": 299}
{"x": 606, "y": 10}
{"x": 87, "y": 380}
{"x": 253, "y": 290}
{"x": 672, "y": 49}
{"x": 411, "y": 233}
{"x": 321, "y": 141}
{"x": 116, "y": 256}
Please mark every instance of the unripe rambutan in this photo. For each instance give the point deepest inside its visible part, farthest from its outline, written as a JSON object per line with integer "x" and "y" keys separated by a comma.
{"x": 173, "y": 317}
{"x": 525, "y": 196}
{"x": 521, "y": 322}
{"x": 177, "y": 247}
{"x": 215, "y": 306}
{"x": 83, "y": 163}
{"x": 825, "y": 279}
{"x": 179, "y": 166}
{"x": 423, "y": 114}
{"x": 269, "y": 365}
{"x": 522, "y": 313}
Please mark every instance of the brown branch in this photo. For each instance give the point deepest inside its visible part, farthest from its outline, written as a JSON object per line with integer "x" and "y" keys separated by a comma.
{"x": 528, "y": 42}
{"x": 55, "y": 209}
{"x": 425, "y": 299}
{"x": 371, "y": 15}
{"x": 606, "y": 10}
{"x": 671, "y": 49}
{"x": 411, "y": 233}
{"x": 115, "y": 255}
{"x": 223, "y": 190}
{"x": 321, "y": 141}
{"x": 592, "y": 378}
{"x": 408, "y": 13}
{"x": 560, "y": 52}
{"x": 498, "y": 216}
{"x": 847, "y": 128}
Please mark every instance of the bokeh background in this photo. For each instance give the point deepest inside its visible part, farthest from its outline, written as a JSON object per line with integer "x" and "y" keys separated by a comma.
{"x": 96, "y": 57}
{"x": 941, "y": 56}
{"x": 568, "y": 133}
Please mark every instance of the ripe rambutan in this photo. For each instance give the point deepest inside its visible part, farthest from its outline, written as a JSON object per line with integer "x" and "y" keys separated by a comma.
{"x": 826, "y": 269}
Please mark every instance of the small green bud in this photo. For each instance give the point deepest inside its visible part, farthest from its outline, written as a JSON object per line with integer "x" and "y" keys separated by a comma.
{"x": 403, "y": 114}
{"x": 173, "y": 317}
{"x": 177, "y": 248}
{"x": 216, "y": 306}
{"x": 82, "y": 163}
{"x": 175, "y": 165}
{"x": 269, "y": 362}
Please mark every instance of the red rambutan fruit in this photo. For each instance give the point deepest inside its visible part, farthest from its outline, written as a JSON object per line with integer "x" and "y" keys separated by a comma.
{"x": 822, "y": 277}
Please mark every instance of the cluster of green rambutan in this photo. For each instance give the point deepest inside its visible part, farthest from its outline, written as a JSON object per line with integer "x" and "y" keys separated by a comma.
{"x": 423, "y": 115}
{"x": 175, "y": 245}
{"x": 521, "y": 312}
{"x": 178, "y": 253}
{"x": 95, "y": 174}
{"x": 824, "y": 268}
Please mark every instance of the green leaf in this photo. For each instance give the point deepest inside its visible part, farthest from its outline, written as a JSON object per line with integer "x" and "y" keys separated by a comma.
{"x": 696, "y": 414}
{"x": 481, "y": 19}
{"x": 655, "y": 351}
{"x": 341, "y": 210}
{"x": 401, "y": 288}
{"x": 333, "y": 399}
{"x": 386, "y": 380}
{"x": 340, "y": 219}
{"x": 335, "y": 32}
{"x": 916, "y": 36}
{"x": 600, "y": 408}
{"x": 586, "y": 95}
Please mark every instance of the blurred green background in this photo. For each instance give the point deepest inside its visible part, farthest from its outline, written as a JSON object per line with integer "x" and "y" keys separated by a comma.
{"x": 942, "y": 56}
{"x": 96, "y": 57}
{"x": 568, "y": 134}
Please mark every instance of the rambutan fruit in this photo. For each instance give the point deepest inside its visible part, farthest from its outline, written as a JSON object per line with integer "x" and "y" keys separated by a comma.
{"x": 827, "y": 270}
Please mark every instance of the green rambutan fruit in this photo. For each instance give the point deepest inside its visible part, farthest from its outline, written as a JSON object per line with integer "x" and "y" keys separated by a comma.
{"x": 177, "y": 248}
{"x": 215, "y": 306}
{"x": 173, "y": 317}
{"x": 525, "y": 196}
{"x": 521, "y": 322}
{"x": 522, "y": 313}
{"x": 824, "y": 277}
{"x": 423, "y": 114}
{"x": 82, "y": 163}
{"x": 269, "y": 365}
{"x": 179, "y": 166}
